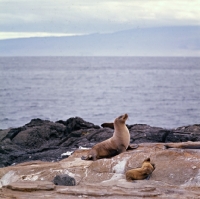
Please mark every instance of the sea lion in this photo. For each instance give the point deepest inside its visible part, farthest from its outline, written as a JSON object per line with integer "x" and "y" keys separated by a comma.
{"x": 115, "y": 145}
{"x": 108, "y": 125}
{"x": 141, "y": 173}
{"x": 111, "y": 125}
{"x": 183, "y": 145}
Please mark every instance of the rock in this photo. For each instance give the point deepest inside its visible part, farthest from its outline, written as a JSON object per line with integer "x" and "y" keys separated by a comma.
{"x": 31, "y": 186}
{"x": 11, "y": 133}
{"x": 177, "y": 175}
{"x": 38, "y": 133}
{"x": 184, "y": 134}
{"x": 45, "y": 140}
{"x": 41, "y": 140}
{"x": 141, "y": 133}
{"x": 31, "y": 140}
{"x": 64, "y": 180}
{"x": 77, "y": 123}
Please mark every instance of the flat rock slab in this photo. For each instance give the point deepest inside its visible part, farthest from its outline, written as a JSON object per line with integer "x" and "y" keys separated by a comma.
{"x": 140, "y": 189}
{"x": 31, "y": 186}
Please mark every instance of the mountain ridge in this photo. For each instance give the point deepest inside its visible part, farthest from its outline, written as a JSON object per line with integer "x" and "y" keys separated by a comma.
{"x": 159, "y": 41}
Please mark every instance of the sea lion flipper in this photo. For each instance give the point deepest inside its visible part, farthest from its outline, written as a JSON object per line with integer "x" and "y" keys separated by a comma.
{"x": 166, "y": 146}
{"x": 84, "y": 158}
{"x": 148, "y": 177}
{"x": 108, "y": 125}
{"x": 131, "y": 147}
{"x": 88, "y": 157}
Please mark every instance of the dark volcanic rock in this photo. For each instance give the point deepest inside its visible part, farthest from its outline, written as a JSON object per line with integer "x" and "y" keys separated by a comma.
{"x": 88, "y": 137}
{"x": 184, "y": 134}
{"x": 77, "y": 123}
{"x": 39, "y": 133}
{"x": 46, "y": 140}
{"x": 42, "y": 140}
{"x": 64, "y": 180}
{"x": 12, "y": 133}
{"x": 27, "y": 142}
{"x": 141, "y": 133}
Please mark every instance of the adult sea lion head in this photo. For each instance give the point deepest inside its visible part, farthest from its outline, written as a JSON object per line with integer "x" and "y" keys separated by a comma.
{"x": 121, "y": 120}
{"x": 121, "y": 133}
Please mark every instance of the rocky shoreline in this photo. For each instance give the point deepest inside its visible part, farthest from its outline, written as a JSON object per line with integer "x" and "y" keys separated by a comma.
{"x": 32, "y": 155}
{"x": 47, "y": 141}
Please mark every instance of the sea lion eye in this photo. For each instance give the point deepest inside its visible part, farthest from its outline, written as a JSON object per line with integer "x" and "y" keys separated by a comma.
{"x": 120, "y": 116}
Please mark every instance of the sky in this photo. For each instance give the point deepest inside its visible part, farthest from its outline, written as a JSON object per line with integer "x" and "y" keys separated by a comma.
{"x": 28, "y": 18}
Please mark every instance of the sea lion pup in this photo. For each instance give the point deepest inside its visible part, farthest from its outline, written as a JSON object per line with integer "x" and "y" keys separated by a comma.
{"x": 141, "y": 173}
{"x": 115, "y": 145}
{"x": 184, "y": 145}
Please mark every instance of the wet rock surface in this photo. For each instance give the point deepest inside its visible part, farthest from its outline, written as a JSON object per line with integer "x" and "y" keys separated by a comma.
{"x": 47, "y": 141}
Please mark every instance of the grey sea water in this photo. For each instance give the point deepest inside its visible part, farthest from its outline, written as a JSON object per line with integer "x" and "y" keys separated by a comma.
{"x": 157, "y": 91}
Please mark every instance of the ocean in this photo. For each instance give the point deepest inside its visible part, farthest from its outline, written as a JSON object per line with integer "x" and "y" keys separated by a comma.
{"x": 158, "y": 91}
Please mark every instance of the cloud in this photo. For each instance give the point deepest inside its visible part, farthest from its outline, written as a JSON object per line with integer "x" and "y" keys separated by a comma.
{"x": 88, "y": 16}
{"x": 12, "y": 35}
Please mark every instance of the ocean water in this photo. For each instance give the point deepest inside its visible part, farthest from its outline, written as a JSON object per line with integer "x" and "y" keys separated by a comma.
{"x": 159, "y": 91}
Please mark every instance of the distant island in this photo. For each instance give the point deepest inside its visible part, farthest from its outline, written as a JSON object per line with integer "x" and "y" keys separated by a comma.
{"x": 158, "y": 41}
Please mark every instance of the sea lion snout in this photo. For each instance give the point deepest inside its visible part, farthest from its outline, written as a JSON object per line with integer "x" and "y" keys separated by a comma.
{"x": 153, "y": 165}
{"x": 122, "y": 117}
{"x": 125, "y": 116}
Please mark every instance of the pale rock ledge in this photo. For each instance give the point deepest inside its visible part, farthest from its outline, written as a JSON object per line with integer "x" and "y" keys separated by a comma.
{"x": 177, "y": 175}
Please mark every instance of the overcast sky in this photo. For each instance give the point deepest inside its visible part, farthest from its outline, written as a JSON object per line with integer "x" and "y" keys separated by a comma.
{"x": 21, "y": 18}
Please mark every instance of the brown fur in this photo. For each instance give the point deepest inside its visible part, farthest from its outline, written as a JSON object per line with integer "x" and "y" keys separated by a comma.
{"x": 115, "y": 145}
{"x": 108, "y": 125}
{"x": 141, "y": 173}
